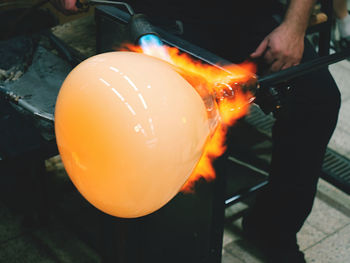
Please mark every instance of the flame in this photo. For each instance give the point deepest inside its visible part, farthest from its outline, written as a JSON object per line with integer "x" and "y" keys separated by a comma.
{"x": 214, "y": 147}
{"x": 225, "y": 83}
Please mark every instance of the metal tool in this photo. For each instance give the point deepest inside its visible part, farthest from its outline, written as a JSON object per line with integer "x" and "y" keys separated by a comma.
{"x": 138, "y": 23}
{"x": 273, "y": 88}
{"x": 18, "y": 100}
{"x": 269, "y": 89}
{"x": 84, "y": 4}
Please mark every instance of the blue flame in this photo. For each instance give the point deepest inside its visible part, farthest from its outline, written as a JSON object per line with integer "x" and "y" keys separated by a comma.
{"x": 152, "y": 45}
{"x": 150, "y": 40}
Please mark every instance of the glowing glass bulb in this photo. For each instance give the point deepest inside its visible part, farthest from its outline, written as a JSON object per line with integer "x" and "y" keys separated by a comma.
{"x": 130, "y": 130}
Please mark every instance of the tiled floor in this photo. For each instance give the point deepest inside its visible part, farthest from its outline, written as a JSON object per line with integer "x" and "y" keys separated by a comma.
{"x": 324, "y": 237}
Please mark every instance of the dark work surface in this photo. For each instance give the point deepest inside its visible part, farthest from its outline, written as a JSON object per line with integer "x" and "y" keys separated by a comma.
{"x": 18, "y": 136}
{"x": 40, "y": 74}
{"x": 16, "y": 52}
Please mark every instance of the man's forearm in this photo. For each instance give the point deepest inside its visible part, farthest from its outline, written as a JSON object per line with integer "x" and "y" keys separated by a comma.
{"x": 298, "y": 14}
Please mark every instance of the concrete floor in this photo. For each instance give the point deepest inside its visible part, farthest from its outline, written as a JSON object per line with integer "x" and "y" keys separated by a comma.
{"x": 340, "y": 139}
{"x": 324, "y": 238}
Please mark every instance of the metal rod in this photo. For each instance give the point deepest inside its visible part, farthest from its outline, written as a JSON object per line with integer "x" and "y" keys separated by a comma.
{"x": 12, "y": 97}
{"x": 172, "y": 40}
{"x": 105, "y": 2}
{"x": 244, "y": 193}
{"x": 302, "y": 69}
{"x": 212, "y": 59}
{"x": 60, "y": 47}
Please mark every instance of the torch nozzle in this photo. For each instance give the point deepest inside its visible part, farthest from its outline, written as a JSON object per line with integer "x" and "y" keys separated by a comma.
{"x": 139, "y": 26}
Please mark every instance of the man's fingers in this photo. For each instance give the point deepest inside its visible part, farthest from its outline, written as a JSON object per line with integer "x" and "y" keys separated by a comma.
{"x": 277, "y": 65}
{"x": 269, "y": 57}
{"x": 67, "y": 7}
{"x": 291, "y": 63}
{"x": 260, "y": 49}
{"x": 287, "y": 65}
{"x": 70, "y": 5}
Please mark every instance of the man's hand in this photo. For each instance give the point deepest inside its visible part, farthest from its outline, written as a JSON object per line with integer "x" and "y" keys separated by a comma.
{"x": 284, "y": 46}
{"x": 281, "y": 49}
{"x": 65, "y": 6}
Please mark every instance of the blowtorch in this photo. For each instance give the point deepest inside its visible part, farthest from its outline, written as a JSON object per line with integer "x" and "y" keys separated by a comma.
{"x": 139, "y": 25}
{"x": 267, "y": 91}
{"x": 85, "y": 4}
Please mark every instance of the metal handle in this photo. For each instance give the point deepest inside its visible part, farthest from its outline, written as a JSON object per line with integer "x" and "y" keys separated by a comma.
{"x": 302, "y": 69}
{"x": 84, "y": 4}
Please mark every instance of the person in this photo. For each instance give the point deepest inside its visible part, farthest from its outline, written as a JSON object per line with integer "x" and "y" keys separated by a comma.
{"x": 237, "y": 30}
{"x": 65, "y": 6}
{"x": 342, "y": 22}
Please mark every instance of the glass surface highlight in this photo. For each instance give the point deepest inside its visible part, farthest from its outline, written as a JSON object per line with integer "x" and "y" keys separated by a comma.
{"x": 130, "y": 130}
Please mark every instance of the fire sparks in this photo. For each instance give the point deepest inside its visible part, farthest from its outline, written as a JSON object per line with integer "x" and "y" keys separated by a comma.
{"x": 225, "y": 84}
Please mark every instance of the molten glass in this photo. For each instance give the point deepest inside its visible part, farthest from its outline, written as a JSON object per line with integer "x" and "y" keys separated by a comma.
{"x": 224, "y": 90}
{"x": 130, "y": 131}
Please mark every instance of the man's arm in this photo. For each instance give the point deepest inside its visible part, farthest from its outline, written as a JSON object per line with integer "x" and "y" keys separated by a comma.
{"x": 65, "y": 6}
{"x": 284, "y": 46}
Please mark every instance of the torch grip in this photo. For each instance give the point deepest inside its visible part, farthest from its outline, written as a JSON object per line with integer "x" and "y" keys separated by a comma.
{"x": 84, "y": 4}
{"x": 140, "y": 26}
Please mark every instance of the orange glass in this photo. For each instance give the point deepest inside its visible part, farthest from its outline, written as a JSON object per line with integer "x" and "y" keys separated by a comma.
{"x": 130, "y": 131}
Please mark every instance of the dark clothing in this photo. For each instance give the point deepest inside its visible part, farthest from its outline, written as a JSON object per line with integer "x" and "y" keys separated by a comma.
{"x": 301, "y": 131}
{"x": 300, "y": 134}
{"x": 218, "y": 10}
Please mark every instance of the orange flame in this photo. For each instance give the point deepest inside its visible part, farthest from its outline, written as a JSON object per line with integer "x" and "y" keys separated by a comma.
{"x": 225, "y": 83}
